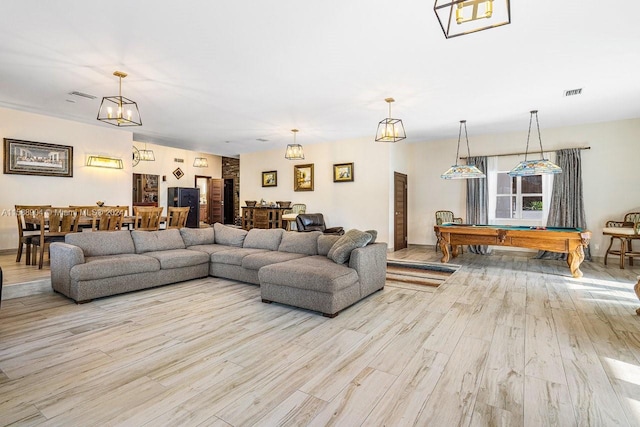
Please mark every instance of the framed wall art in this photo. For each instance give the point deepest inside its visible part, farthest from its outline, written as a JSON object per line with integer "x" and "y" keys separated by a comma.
{"x": 37, "y": 158}
{"x": 343, "y": 172}
{"x": 178, "y": 173}
{"x": 303, "y": 177}
{"x": 270, "y": 179}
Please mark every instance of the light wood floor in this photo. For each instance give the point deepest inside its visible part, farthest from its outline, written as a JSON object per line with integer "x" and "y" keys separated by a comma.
{"x": 507, "y": 340}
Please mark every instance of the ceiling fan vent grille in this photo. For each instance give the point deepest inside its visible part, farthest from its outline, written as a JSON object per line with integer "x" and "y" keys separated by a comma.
{"x": 572, "y": 92}
{"x": 82, "y": 94}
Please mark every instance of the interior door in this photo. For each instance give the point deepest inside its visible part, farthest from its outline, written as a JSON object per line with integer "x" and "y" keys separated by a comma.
{"x": 400, "y": 211}
{"x": 216, "y": 200}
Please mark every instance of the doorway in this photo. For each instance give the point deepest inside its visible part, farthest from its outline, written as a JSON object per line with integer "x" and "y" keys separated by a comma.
{"x": 400, "y": 211}
{"x": 229, "y": 217}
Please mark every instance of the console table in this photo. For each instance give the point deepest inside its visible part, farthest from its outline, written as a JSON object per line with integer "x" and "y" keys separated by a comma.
{"x": 262, "y": 217}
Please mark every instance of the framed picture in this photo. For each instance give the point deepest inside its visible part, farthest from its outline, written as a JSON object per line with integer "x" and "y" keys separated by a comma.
{"x": 343, "y": 172}
{"x": 178, "y": 173}
{"x": 303, "y": 177}
{"x": 270, "y": 179}
{"x": 37, "y": 158}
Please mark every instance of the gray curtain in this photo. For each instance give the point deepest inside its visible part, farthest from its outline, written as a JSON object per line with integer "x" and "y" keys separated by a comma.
{"x": 478, "y": 201}
{"x": 567, "y": 205}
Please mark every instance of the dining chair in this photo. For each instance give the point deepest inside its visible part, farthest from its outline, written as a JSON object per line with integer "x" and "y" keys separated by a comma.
{"x": 55, "y": 223}
{"x": 291, "y": 214}
{"x": 27, "y": 227}
{"x": 108, "y": 218}
{"x": 147, "y": 218}
{"x": 177, "y": 217}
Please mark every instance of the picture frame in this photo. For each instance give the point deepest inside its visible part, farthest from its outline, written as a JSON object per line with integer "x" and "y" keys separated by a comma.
{"x": 37, "y": 158}
{"x": 303, "y": 177}
{"x": 343, "y": 172}
{"x": 178, "y": 173}
{"x": 270, "y": 179}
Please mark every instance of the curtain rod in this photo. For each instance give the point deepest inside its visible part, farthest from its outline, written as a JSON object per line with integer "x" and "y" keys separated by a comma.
{"x": 523, "y": 153}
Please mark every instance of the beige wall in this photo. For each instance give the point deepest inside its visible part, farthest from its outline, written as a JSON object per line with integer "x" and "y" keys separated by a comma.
{"x": 88, "y": 184}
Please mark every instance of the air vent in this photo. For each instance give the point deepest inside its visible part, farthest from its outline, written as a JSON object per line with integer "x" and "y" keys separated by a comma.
{"x": 572, "y": 92}
{"x": 82, "y": 94}
{"x": 262, "y": 140}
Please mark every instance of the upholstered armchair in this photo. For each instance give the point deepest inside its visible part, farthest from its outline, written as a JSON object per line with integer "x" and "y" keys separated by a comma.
{"x": 625, "y": 231}
{"x": 443, "y": 217}
{"x": 315, "y": 222}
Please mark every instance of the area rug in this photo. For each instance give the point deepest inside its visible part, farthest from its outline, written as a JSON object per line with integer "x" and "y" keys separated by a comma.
{"x": 419, "y": 272}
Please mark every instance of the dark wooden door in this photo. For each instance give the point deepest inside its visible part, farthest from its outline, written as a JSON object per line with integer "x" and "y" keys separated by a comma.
{"x": 216, "y": 200}
{"x": 399, "y": 211}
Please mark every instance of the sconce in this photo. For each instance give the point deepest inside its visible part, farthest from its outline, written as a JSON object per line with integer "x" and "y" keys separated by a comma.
{"x": 105, "y": 162}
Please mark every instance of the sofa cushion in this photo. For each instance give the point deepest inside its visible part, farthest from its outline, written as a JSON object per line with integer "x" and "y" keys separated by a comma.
{"x": 152, "y": 241}
{"x": 317, "y": 273}
{"x": 234, "y": 256}
{"x": 263, "y": 239}
{"x": 325, "y": 242}
{"x": 256, "y": 261}
{"x": 197, "y": 236}
{"x": 102, "y": 243}
{"x": 99, "y": 267}
{"x": 341, "y": 250}
{"x": 176, "y": 258}
{"x": 210, "y": 249}
{"x": 229, "y": 236}
{"x": 300, "y": 243}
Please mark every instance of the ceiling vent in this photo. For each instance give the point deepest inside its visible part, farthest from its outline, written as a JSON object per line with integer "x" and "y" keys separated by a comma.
{"x": 82, "y": 94}
{"x": 572, "y": 92}
{"x": 262, "y": 139}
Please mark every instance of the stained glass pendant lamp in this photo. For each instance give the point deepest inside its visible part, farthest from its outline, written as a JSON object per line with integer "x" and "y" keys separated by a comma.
{"x": 535, "y": 167}
{"x": 294, "y": 151}
{"x": 460, "y": 17}
{"x": 119, "y": 110}
{"x": 463, "y": 171}
{"x": 390, "y": 129}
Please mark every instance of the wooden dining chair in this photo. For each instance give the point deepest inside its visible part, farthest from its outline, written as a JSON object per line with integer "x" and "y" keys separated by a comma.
{"x": 55, "y": 223}
{"x": 108, "y": 218}
{"x": 147, "y": 218}
{"x": 177, "y": 217}
{"x": 28, "y": 224}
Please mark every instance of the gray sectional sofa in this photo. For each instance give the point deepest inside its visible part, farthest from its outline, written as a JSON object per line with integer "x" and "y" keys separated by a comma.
{"x": 311, "y": 270}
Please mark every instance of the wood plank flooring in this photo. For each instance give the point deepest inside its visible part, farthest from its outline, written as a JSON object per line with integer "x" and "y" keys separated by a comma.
{"x": 506, "y": 340}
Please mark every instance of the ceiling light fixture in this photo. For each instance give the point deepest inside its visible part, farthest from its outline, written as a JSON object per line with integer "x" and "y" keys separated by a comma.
{"x": 460, "y": 17}
{"x": 390, "y": 130}
{"x": 201, "y": 162}
{"x": 147, "y": 155}
{"x": 463, "y": 171}
{"x": 119, "y": 110}
{"x": 294, "y": 151}
{"x": 105, "y": 162}
{"x": 535, "y": 167}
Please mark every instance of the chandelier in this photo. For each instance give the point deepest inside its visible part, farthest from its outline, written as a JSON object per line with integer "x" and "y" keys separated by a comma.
{"x": 294, "y": 151}
{"x": 119, "y": 110}
{"x": 460, "y": 17}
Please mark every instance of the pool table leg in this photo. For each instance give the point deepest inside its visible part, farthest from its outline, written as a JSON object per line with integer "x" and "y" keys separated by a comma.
{"x": 444, "y": 247}
{"x": 637, "y": 289}
{"x": 574, "y": 259}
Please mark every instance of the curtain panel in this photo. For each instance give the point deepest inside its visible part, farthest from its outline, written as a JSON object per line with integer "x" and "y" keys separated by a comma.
{"x": 478, "y": 201}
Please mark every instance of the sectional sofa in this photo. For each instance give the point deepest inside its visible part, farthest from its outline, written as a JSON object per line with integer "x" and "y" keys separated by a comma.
{"x": 324, "y": 273}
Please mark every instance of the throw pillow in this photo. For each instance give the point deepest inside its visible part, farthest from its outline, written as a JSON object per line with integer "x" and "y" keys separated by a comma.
{"x": 352, "y": 239}
{"x": 326, "y": 242}
{"x": 374, "y": 236}
{"x": 229, "y": 236}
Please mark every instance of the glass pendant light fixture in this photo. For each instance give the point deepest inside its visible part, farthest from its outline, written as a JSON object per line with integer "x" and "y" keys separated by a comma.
{"x": 463, "y": 171}
{"x": 147, "y": 155}
{"x": 389, "y": 129}
{"x": 294, "y": 151}
{"x": 119, "y": 110}
{"x": 460, "y": 17}
{"x": 200, "y": 162}
{"x": 535, "y": 167}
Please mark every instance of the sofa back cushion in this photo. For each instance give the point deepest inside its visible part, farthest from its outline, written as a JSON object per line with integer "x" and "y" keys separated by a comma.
{"x": 325, "y": 242}
{"x": 161, "y": 240}
{"x": 352, "y": 239}
{"x": 99, "y": 243}
{"x": 263, "y": 239}
{"x": 300, "y": 242}
{"x": 197, "y": 236}
{"x": 229, "y": 236}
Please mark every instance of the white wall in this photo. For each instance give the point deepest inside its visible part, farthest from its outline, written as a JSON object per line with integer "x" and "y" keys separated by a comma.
{"x": 88, "y": 184}
{"x": 609, "y": 172}
{"x": 361, "y": 204}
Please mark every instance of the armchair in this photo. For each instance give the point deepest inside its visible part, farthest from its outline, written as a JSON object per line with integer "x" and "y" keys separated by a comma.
{"x": 315, "y": 222}
{"x": 625, "y": 231}
{"x": 443, "y": 217}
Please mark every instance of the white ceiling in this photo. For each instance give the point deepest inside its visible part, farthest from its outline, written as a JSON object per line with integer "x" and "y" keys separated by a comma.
{"x": 216, "y": 76}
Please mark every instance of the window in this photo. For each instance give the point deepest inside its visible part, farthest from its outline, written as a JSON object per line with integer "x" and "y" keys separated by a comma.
{"x": 519, "y": 197}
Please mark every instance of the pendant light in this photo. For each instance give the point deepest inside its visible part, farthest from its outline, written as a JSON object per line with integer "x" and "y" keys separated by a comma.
{"x": 389, "y": 129}
{"x": 294, "y": 151}
{"x": 460, "y": 17}
{"x": 200, "y": 162}
{"x": 535, "y": 167}
{"x": 463, "y": 171}
{"x": 119, "y": 110}
{"x": 147, "y": 155}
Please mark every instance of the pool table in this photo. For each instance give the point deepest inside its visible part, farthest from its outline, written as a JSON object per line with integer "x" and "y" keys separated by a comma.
{"x": 557, "y": 239}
